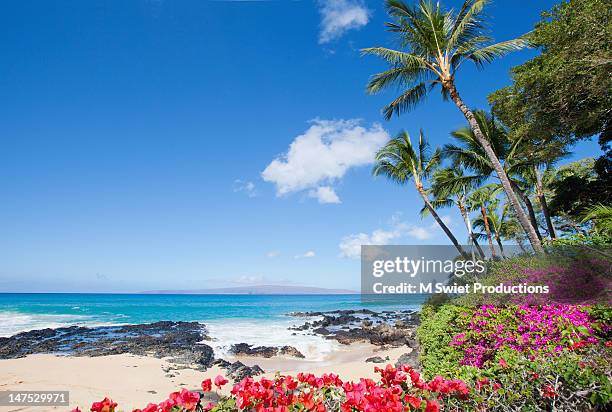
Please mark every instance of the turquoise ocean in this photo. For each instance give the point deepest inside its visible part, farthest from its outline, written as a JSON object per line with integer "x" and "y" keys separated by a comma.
{"x": 255, "y": 319}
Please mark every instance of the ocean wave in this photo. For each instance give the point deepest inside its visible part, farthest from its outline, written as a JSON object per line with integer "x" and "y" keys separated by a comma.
{"x": 259, "y": 332}
{"x": 14, "y": 322}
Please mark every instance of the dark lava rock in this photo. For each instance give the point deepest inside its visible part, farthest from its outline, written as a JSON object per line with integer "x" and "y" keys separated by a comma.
{"x": 238, "y": 370}
{"x": 375, "y": 359}
{"x": 178, "y": 340}
{"x": 390, "y": 328}
{"x": 290, "y": 351}
{"x": 264, "y": 351}
{"x": 411, "y": 359}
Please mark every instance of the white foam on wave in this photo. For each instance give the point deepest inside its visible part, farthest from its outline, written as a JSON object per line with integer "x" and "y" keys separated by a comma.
{"x": 259, "y": 332}
{"x": 15, "y": 322}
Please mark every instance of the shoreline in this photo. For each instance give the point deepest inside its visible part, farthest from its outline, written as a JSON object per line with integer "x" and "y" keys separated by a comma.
{"x": 133, "y": 380}
{"x": 137, "y": 364}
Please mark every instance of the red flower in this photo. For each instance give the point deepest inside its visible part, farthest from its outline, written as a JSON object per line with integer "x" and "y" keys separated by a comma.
{"x": 535, "y": 376}
{"x": 209, "y": 406}
{"x": 220, "y": 381}
{"x": 548, "y": 391}
{"x": 207, "y": 385}
{"x": 496, "y": 386}
{"x": 503, "y": 363}
{"x": 608, "y": 344}
{"x": 167, "y": 405}
{"x": 151, "y": 408}
{"x": 481, "y": 382}
{"x": 105, "y": 405}
{"x": 413, "y": 401}
{"x": 432, "y": 406}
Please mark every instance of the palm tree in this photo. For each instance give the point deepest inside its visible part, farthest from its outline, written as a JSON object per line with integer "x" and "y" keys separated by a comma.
{"x": 450, "y": 186}
{"x": 471, "y": 154}
{"x": 435, "y": 44}
{"x": 538, "y": 172}
{"x": 483, "y": 199}
{"x": 501, "y": 225}
{"x": 400, "y": 162}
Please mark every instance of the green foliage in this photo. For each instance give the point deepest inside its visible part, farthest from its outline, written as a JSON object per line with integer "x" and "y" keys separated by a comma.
{"x": 437, "y": 328}
{"x": 564, "y": 93}
{"x": 600, "y": 217}
{"x": 577, "y": 186}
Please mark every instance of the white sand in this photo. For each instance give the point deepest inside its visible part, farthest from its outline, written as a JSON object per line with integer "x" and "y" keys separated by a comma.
{"x": 133, "y": 381}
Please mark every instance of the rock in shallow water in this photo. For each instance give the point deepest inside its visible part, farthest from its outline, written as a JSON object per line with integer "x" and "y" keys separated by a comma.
{"x": 178, "y": 340}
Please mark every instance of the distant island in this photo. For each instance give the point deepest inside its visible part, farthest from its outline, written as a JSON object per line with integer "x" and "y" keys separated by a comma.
{"x": 257, "y": 290}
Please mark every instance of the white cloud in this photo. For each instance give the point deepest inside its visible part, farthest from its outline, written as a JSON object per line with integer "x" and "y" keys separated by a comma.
{"x": 245, "y": 186}
{"x": 308, "y": 254}
{"x": 350, "y": 246}
{"x": 324, "y": 194}
{"x": 323, "y": 154}
{"x": 339, "y": 16}
{"x": 273, "y": 253}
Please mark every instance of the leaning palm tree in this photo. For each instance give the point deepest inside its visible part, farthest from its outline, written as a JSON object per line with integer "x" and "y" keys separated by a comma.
{"x": 484, "y": 199}
{"x": 434, "y": 45}
{"x": 450, "y": 186}
{"x": 470, "y": 154}
{"x": 400, "y": 161}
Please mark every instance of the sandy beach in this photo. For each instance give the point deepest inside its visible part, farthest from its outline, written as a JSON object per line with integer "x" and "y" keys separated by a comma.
{"x": 133, "y": 381}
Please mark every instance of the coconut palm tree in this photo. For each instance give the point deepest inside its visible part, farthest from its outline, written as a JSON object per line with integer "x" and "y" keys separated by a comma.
{"x": 537, "y": 172}
{"x": 400, "y": 161}
{"x": 500, "y": 223}
{"x": 483, "y": 199}
{"x": 450, "y": 186}
{"x": 434, "y": 45}
{"x": 471, "y": 155}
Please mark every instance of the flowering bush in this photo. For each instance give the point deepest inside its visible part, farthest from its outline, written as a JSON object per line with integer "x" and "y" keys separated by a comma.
{"x": 522, "y": 357}
{"x": 399, "y": 390}
{"x": 532, "y": 330}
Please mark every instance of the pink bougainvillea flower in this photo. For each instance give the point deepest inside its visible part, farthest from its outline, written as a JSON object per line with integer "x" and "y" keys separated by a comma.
{"x": 432, "y": 406}
{"x": 220, "y": 381}
{"x": 151, "y": 407}
{"x": 167, "y": 405}
{"x": 188, "y": 400}
{"x": 207, "y": 385}
{"x": 105, "y": 405}
{"x": 209, "y": 406}
{"x": 413, "y": 401}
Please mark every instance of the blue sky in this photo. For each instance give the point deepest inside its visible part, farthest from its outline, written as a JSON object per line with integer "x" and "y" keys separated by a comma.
{"x": 135, "y": 136}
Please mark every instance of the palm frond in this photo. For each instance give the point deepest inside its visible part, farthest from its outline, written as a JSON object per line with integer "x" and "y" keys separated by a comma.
{"x": 489, "y": 53}
{"x": 466, "y": 24}
{"x": 405, "y": 101}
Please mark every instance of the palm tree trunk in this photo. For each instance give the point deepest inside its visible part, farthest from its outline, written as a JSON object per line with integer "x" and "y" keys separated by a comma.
{"x": 503, "y": 177}
{"x": 532, "y": 216}
{"x": 468, "y": 225}
{"x": 440, "y": 222}
{"x": 483, "y": 211}
{"x": 501, "y": 247}
{"x": 543, "y": 204}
